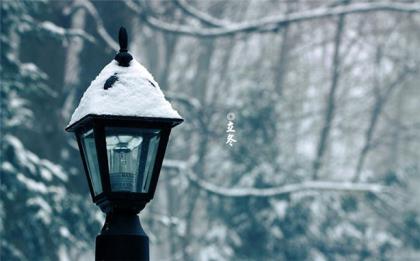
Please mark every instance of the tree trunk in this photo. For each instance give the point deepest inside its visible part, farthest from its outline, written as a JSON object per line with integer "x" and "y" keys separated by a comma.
{"x": 376, "y": 110}
{"x": 200, "y": 91}
{"x": 330, "y": 110}
{"x": 73, "y": 65}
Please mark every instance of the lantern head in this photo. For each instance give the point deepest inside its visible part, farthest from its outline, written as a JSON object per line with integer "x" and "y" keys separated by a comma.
{"x": 122, "y": 126}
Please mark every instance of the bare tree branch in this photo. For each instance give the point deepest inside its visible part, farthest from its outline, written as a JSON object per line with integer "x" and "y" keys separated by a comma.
{"x": 191, "y": 102}
{"x": 201, "y": 16}
{"x": 380, "y": 101}
{"x": 100, "y": 28}
{"x": 275, "y": 22}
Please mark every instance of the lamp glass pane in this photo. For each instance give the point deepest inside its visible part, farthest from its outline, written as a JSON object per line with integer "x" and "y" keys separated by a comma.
{"x": 131, "y": 156}
{"x": 89, "y": 149}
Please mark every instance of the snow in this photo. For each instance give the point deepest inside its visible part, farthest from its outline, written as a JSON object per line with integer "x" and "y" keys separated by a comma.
{"x": 46, "y": 169}
{"x": 31, "y": 184}
{"x": 280, "y": 207}
{"x": 65, "y": 232}
{"x": 44, "y": 212}
{"x": 7, "y": 166}
{"x": 54, "y": 169}
{"x": 53, "y": 28}
{"x": 46, "y": 174}
{"x": 133, "y": 94}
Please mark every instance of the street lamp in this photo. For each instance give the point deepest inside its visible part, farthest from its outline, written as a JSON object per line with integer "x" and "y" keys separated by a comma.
{"x": 122, "y": 126}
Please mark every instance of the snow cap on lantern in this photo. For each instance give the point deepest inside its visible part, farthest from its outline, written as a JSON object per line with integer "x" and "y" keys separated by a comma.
{"x": 121, "y": 90}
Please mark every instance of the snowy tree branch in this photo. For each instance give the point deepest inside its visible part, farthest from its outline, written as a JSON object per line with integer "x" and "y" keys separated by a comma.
{"x": 184, "y": 168}
{"x": 55, "y": 30}
{"x": 286, "y": 189}
{"x": 274, "y": 22}
{"x": 60, "y": 31}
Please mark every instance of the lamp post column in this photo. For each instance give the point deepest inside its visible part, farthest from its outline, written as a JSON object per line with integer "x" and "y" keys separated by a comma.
{"x": 122, "y": 238}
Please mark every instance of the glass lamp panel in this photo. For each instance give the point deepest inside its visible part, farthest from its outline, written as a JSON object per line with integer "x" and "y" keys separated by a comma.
{"x": 131, "y": 156}
{"x": 89, "y": 150}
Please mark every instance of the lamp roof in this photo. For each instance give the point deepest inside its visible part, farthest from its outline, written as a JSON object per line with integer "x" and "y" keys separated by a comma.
{"x": 124, "y": 91}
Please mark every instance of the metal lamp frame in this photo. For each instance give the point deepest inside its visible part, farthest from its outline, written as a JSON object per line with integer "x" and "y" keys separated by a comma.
{"x": 109, "y": 200}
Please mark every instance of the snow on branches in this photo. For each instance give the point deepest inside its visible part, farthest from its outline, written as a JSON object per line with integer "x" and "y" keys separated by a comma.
{"x": 338, "y": 186}
{"x": 267, "y": 24}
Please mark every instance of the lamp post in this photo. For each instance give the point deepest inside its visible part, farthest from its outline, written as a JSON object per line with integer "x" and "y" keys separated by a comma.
{"x": 122, "y": 126}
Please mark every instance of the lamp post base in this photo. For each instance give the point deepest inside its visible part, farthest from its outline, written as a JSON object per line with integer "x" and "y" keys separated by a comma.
{"x": 122, "y": 238}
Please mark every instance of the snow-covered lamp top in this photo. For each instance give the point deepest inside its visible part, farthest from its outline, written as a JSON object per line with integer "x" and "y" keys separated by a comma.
{"x": 124, "y": 90}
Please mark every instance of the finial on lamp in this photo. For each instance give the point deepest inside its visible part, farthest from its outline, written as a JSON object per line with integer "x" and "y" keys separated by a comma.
{"x": 123, "y": 57}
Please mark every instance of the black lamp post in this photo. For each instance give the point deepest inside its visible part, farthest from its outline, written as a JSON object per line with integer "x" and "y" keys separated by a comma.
{"x": 122, "y": 145}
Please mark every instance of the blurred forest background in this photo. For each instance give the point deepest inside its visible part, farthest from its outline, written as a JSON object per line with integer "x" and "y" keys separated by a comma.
{"x": 327, "y": 117}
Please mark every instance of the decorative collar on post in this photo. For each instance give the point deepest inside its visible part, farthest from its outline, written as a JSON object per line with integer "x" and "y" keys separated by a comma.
{"x": 123, "y": 57}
